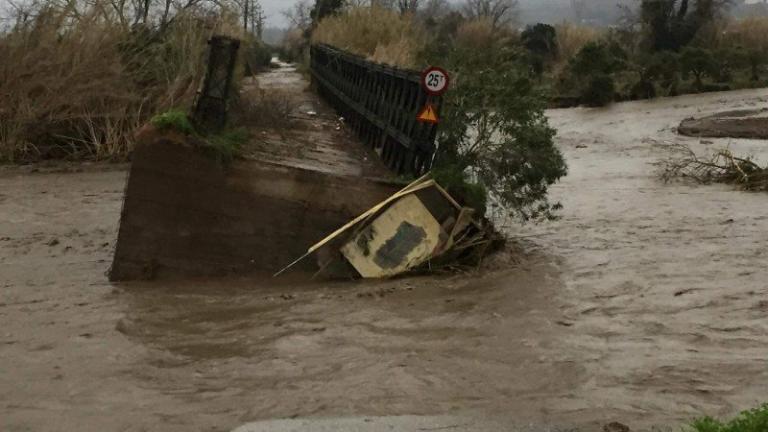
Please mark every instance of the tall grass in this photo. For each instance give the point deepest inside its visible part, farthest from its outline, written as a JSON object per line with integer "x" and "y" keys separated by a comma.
{"x": 478, "y": 33}
{"x": 750, "y": 33}
{"x": 571, "y": 38}
{"x": 379, "y": 34}
{"x": 77, "y": 84}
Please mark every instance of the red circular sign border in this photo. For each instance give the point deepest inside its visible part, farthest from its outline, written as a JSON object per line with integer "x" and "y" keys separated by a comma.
{"x": 424, "y": 79}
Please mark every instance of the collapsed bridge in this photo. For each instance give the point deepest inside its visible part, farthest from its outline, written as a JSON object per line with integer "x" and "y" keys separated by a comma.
{"x": 187, "y": 214}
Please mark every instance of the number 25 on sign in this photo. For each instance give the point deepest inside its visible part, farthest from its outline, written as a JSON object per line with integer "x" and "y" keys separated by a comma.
{"x": 435, "y": 82}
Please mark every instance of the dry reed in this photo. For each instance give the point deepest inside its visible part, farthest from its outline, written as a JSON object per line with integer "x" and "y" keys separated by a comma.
{"x": 378, "y": 34}
{"x": 77, "y": 84}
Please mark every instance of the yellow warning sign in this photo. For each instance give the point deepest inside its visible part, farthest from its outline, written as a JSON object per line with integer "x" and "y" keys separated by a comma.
{"x": 428, "y": 114}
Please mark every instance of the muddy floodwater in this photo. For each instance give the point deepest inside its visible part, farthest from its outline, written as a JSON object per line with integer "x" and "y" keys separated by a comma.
{"x": 647, "y": 303}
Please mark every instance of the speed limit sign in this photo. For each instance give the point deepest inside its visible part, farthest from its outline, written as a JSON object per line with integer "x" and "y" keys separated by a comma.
{"x": 435, "y": 81}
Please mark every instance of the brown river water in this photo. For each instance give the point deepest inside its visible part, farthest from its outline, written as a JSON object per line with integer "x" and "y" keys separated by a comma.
{"x": 647, "y": 303}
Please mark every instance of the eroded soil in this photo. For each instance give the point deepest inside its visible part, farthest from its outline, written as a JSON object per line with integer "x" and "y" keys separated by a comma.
{"x": 645, "y": 304}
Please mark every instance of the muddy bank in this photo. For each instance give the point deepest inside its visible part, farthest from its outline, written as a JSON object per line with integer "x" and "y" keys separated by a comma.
{"x": 749, "y": 123}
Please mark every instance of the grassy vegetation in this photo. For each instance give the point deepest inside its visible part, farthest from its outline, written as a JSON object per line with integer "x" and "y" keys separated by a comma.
{"x": 271, "y": 109}
{"x": 223, "y": 146}
{"x": 77, "y": 82}
{"x": 755, "y": 420}
{"x": 175, "y": 119}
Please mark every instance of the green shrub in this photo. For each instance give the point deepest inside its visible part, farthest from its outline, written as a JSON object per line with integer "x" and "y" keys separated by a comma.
{"x": 592, "y": 69}
{"x": 175, "y": 119}
{"x": 455, "y": 181}
{"x": 755, "y": 420}
{"x": 223, "y": 146}
{"x": 541, "y": 42}
{"x": 597, "y": 58}
{"x": 540, "y": 39}
{"x": 494, "y": 128}
{"x": 600, "y": 91}
{"x": 227, "y": 144}
{"x": 699, "y": 62}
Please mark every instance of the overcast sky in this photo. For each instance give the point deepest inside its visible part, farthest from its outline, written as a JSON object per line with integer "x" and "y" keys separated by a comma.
{"x": 274, "y": 9}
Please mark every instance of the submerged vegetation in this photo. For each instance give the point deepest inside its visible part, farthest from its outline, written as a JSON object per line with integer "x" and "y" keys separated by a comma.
{"x": 721, "y": 167}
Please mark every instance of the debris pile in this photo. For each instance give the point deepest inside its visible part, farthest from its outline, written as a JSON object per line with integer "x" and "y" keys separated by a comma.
{"x": 721, "y": 167}
{"x": 420, "y": 227}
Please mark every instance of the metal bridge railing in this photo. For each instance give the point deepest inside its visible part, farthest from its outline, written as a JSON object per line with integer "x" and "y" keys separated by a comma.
{"x": 380, "y": 103}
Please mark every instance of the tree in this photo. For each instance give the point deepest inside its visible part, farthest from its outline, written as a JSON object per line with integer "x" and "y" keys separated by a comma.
{"x": 434, "y": 9}
{"x": 541, "y": 42}
{"x": 540, "y": 39}
{"x": 672, "y": 24}
{"x": 593, "y": 67}
{"x": 598, "y": 58}
{"x": 300, "y": 15}
{"x": 756, "y": 59}
{"x": 699, "y": 62}
{"x": 652, "y": 68}
{"x": 253, "y": 17}
{"x": 501, "y": 12}
{"x": 408, "y": 6}
{"x": 494, "y": 131}
{"x": 323, "y": 8}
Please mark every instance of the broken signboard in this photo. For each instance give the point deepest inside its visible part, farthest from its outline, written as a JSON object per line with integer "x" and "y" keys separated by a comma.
{"x": 419, "y": 225}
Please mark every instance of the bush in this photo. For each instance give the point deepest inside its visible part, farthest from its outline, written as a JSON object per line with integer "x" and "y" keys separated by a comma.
{"x": 541, "y": 40}
{"x": 755, "y": 420}
{"x": 271, "y": 109}
{"x": 457, "y": 183}
{"x": 592, "y": 69}
{"x": 494, "y": 130}
{"x": 597, "y": 58}
{"x": 699, "y": 62}
{"x": 226, "y": 145}
{"x": 175, "y": 119}
{"x": 600, "y": 91}
{"x": 223, "y": 146}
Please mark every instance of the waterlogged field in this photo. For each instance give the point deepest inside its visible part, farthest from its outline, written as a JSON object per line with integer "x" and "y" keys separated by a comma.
{"x": 645, "y": 304}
